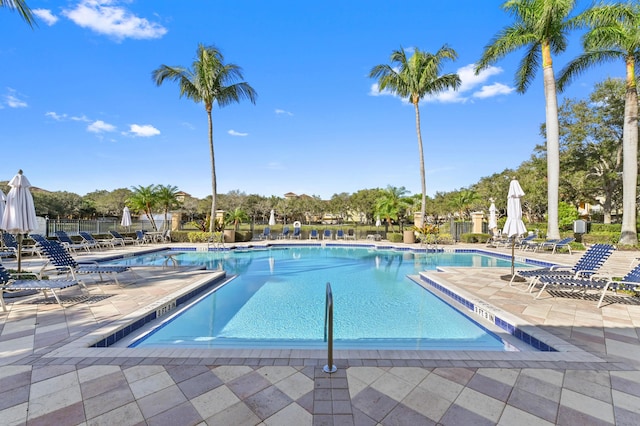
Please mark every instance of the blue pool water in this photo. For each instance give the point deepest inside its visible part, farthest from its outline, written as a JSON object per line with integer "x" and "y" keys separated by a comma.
{"x": 278, "y": 300}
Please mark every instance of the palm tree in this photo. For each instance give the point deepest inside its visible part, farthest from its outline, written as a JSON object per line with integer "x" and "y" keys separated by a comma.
{"x": 210, "y": 80}
{"x": 144, "y": 199}
{"x": 540, "y": 26}
{"x": 392, "y": 204}
{"x": 236, "y": 217}
{"x": 167, "y": 198}
{"x": 414, "y": 78}
{"x": 614, "y": 35}
{"x": 22, "y": 8}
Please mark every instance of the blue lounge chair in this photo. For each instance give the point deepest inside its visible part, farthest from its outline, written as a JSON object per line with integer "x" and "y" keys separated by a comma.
{"x": 555, "y": 245}
{"x": 313, "y": 235}
{"x": 526, "y": 243}
{"x": 630, "y": 281}
{"x": 296, "y": 233}
{"x": 326, "y": 235}
{"x": 285, "y": 233}
{"x": 60, "y": 258}
{"x": 93, "y": 243}
{"x": 588, "y": 264}
{"x": 266, "y": 234}
{"x": 339, "y": 234}
{"x": 120, "y": 240}
{"x": 69, "y": 244}
{"x": 9, "y": 283}
{"x": 11, "y": 245}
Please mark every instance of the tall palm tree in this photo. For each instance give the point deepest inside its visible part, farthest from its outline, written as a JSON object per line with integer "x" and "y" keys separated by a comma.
{"x": 541, "y": 26}
{"x": 614, "y": 34}
{"x": 167, "y": 198}
{"x": 414, "y": 78}
{"x": 144, "y": 199}
{"x": 209, "y": 80}
{"x": 22, "y": 8}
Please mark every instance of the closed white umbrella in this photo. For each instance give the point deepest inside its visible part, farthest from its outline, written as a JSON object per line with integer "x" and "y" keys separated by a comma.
{"x": 514, "y": 225}
{"x": 493, "y": 222}
{"x": 20, "y": 213}
{"x": 3, "y": 199}
{"x": 126, "y": 218}
{"x": 272, "y": 218}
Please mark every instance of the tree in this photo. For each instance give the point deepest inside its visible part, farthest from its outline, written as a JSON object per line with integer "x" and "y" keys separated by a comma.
{"x": 591, "y": 141}
{"x": 144, "y": 199}
{"x": 540, "y": 26}
{"x": 167, "y": 199}
{"x": 392, "y": 204}
{"x": 22, "y": 8}
{"x": 614, "y": 35}
{"x": 209, "y": 80}
{"x": 236, "y": 217}
{"x": 414, "y": 78}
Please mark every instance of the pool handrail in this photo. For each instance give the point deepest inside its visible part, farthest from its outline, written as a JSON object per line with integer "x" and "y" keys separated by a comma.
{"x": 328, "y": 330}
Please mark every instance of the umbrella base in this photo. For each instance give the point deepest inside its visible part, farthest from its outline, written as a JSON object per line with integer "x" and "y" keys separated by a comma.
{"x": 516, "y": 278}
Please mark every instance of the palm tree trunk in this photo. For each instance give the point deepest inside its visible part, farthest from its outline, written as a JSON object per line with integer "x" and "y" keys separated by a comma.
{"x": 553, "y": 145}
{"x": 423, "y": 181}
{"x": 630, "y": 159}
{"x": 212, "y": 222}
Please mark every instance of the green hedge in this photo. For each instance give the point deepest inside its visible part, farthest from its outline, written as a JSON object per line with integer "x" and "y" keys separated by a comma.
{"x": 394, "y": 237}
{"x": 474, "y": 238}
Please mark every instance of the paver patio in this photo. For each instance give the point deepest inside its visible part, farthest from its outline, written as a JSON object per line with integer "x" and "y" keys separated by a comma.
{"x": 48, "y": 375}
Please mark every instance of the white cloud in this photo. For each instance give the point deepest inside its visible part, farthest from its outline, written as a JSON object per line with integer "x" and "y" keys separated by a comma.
{"x": 492, "y": 90}
{"x": 283, "y": 112}
{"x": 469, "y": 81}
{"x": 12, "y": 100}
{"x": 145, "y": 130}
{"x": 100, "y": 126}
{"x": 56, "y": 116}
{"x": 103, "y": 17}
{"x": 46, "y": 15}
{"x": 234, "y": 133}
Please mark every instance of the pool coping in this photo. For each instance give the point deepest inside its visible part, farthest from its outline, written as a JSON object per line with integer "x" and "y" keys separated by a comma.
{"x": 85, "y": 345}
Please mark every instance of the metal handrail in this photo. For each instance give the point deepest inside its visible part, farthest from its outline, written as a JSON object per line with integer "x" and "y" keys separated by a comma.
{"x": 328, "y": 330}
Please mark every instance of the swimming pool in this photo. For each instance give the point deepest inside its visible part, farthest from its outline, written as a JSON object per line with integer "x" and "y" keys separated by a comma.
{"x": 278, "y": 300}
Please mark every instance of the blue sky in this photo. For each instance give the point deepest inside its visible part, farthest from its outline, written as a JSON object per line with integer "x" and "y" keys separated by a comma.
{"x": 79, "y": 111}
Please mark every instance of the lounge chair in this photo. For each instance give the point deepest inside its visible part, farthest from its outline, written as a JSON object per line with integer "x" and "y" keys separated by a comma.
{"x": 120, "y": 240}
{"x": 526, "y": 243}
{"x": 296, "y": 233}
{"x": 630, "y": 281}
{"x": 285, "y": 233}
{"x": 9, "y": 283}
{"x": 69, "y": 244}
{"x": 351, "y": 234}
{"x": 93, "y": 243}
{"x": 588, "y": 264}
{"x": 326, "y": 235}
{"x": 142, "y": 237}
{"x": 313, "y": 235}
{"x": 266, "y": 234}
{"x": 60, "y": 258}
{"x": 11, "y": 245}
{"x": 555, "y": 245}
{"x": 339, "y": 234}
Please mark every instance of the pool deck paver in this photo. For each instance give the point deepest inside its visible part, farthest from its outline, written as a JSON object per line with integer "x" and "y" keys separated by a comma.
{"x": 48, "y": 375}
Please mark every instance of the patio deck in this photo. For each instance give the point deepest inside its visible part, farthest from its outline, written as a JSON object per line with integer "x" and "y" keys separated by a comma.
{"x": 48, "y": 375}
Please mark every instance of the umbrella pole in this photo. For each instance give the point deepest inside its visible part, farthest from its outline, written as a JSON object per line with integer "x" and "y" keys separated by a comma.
{"x": 19, "y": 239}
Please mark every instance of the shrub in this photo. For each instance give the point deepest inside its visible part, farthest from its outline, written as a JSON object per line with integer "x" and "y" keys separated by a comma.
{"x": 474, "y": 238}
{"x": 605, "y": 227}
{"x": 395, "y": 237}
